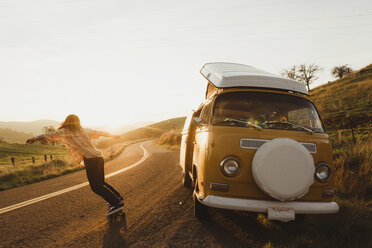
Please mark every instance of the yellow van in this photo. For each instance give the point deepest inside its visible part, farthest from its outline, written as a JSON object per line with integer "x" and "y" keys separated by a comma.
{"x": 257, "y": 144}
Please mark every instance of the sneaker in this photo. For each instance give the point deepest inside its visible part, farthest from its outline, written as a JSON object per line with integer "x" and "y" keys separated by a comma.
{"x": 121, "y": 200}
{"x": 116, "y": 208}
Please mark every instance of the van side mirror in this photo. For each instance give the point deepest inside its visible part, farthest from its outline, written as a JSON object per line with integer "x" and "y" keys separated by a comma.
{"x": 198, "y": 121}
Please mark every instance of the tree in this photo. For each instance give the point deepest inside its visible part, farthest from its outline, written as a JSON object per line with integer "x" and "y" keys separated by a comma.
{"x": 340, "y": 71}
{"x": 290, "y": 72}
{"x": 303, "y": 73}
{"x": 46, "y": 130}
{"x": 307, "y": 74}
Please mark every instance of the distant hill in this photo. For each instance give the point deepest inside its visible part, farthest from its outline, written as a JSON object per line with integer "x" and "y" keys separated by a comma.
{"x": 174, "y": 123}
{"x": 12, "y": 136}
{"x": 122, "y": 128}
{"x": 19, "y": 132}
{"x": 148, "y": 132}
{"x": 349, "y": 98}
{"x": 33, "y": 127}
{"x": 154, "y": 130}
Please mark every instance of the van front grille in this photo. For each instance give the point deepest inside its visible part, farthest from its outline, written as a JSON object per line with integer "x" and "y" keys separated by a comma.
{"x": 257, "y": 143}
{"x": 251, "y": 143}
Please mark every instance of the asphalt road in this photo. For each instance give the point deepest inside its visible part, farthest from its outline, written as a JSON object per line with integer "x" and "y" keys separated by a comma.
{"x": 158, "y": 212}
{"x": 158, "y": 209}
{"x": 77, "y": 218}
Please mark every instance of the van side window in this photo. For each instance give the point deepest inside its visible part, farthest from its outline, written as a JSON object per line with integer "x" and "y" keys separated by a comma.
{"x": 205, "y": 112}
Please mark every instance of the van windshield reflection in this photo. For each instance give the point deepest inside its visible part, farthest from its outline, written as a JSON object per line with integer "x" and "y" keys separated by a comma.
{"x": 264, "y": 110}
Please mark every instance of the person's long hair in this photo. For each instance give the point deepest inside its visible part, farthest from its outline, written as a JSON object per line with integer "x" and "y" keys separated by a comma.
{"x": 72, "y": 123}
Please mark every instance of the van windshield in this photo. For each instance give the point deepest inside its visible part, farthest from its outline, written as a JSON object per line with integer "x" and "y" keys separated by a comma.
{"x": 264, "y": 110}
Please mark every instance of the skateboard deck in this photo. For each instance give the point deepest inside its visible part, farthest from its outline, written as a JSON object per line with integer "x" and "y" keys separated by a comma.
{"x": 115, "y": 217}
{"x": 118, "y": 216}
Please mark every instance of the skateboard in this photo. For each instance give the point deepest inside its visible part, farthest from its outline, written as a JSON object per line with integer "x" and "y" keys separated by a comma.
{"x": 116, "y": 217}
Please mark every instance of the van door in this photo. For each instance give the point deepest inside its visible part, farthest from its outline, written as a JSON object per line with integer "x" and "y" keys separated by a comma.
{"x": 186, "y": 144}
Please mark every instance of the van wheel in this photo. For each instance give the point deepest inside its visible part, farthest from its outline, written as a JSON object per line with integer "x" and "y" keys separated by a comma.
{"x": 200, "y": 210}
{"x": 300, "y": 218}
{"x": 186, "y": 180}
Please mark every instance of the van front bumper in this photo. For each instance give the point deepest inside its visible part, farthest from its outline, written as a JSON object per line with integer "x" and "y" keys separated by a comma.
{"x": 263, "y": 206}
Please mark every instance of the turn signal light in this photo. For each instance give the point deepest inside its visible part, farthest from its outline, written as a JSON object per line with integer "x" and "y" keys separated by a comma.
{"x": 224, "y": 187}
{"x": 328, "y": 193}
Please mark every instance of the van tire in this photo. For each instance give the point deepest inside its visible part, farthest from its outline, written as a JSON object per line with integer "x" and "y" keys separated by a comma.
{"x": 300, "y": 218}
{"x": 186, "y": 180}
{"x": 200, "y": 211}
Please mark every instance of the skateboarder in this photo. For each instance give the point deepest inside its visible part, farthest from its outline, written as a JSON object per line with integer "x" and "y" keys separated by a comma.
{"x": 78, "y": 140}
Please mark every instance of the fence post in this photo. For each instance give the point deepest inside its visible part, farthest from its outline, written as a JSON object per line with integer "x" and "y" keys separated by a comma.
{"x": 45, "y": 158}
{"x": 12, "y": 160}
{"x": 33, "y": 160}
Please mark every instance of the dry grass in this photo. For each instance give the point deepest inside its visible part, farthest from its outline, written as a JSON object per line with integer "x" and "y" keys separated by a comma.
{"x": 171, "y": 139}
{"x": 31, "y": 174}
{"x": 349, "y": 98}
{"x": 353, "y": 172}
{"x": 351, "y": 227}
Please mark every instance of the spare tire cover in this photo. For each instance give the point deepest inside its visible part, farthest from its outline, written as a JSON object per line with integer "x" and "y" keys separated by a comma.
{"x": 283, "y": 169}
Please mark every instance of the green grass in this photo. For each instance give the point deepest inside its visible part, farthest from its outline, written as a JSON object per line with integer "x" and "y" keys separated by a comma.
{"x": 23, "y": 153}
{"x": 24, "y": 172}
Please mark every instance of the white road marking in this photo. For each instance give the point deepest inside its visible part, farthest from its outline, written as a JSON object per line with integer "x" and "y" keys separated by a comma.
{"x": 44, "y": 197}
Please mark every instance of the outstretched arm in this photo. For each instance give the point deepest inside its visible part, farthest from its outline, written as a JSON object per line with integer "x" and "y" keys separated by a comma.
{"x": 96, "y": 134}
{"x": 53, "y": 136}
{"x": 34, "y": 139}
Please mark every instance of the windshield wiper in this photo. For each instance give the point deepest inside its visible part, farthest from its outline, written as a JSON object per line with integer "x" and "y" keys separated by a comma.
{"x": 244, "y": 122}
{"x": 295, "y": 125}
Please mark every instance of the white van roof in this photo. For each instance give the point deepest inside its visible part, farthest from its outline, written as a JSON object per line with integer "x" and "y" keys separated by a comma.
{"x": 229, "y": 75}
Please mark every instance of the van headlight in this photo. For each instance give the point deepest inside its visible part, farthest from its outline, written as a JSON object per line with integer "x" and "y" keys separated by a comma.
{"x": 230, "y": 167}
{"x": 322, "y": 172}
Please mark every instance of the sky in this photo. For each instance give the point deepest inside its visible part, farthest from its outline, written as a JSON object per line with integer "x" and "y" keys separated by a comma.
{"x": 116, "y": 62}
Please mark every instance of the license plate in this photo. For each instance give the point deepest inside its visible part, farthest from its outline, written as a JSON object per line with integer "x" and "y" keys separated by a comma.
{"x": 281, "y": 214}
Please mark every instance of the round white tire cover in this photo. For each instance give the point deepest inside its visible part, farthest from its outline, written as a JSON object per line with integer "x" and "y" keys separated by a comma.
{"x": 283, "y": 169}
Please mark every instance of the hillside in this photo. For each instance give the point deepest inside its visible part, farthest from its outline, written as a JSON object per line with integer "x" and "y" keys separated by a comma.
{"x": 154, "y": 130}
{"x": 19, "y": 132}
{"x": 148, "y": 132}
{"x": 12, "y": 136}
{"x": 174, "y": 123}
{"x": 349, "y": 98}
{"x": 34, "y": 127}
